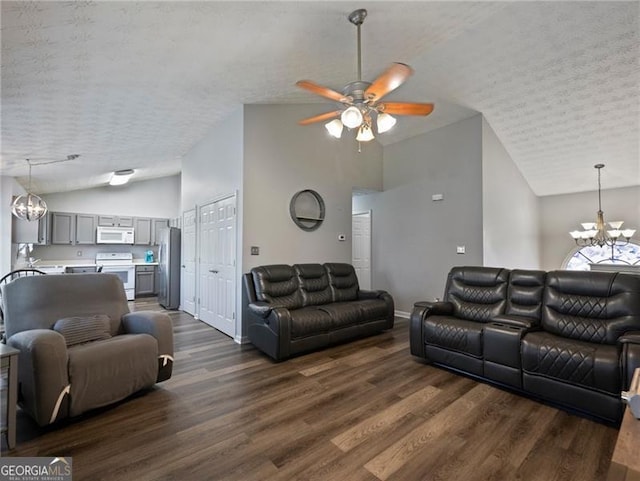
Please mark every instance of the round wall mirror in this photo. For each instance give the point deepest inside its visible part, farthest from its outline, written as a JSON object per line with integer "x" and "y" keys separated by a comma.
{"x": 307, "y": 209}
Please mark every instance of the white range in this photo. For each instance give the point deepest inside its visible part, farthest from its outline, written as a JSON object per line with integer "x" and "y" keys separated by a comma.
{"x": 121, "y": 264}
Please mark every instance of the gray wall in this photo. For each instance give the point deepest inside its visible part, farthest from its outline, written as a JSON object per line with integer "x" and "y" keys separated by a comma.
{"x": 281, "y": 158}
{"x": 212, "y": 169}
{"x": 510, "y": 215}
{"x": 560, "y": 214}
{"x": 214, "y": 166}
{"x": 147, "y": 198}
{"x": 414, "y": 238}
{"x": 9, "y": 188}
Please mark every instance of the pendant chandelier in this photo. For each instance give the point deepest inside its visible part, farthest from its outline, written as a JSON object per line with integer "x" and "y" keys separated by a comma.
{"x": 29, "y": 206}
{"x": 596, "y": 233}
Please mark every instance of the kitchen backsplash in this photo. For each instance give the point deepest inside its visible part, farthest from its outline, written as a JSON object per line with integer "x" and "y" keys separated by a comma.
{"x": 87, "y": 252}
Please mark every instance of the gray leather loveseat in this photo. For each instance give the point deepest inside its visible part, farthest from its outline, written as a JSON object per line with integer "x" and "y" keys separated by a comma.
{"x": 80, "y": 347}
{"x": 300, "y": 308}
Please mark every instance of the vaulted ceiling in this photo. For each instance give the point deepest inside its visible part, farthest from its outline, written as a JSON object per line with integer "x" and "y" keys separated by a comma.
{"x": 137, "y": 84}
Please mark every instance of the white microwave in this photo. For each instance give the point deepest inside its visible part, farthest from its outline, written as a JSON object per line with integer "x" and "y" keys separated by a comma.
{"x": 114, "y": 235}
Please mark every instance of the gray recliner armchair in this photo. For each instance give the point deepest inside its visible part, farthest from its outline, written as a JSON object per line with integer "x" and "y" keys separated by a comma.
{"x": 80, "y": 347}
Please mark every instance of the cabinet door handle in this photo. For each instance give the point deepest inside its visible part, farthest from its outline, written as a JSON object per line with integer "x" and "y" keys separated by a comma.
{"x": 213, "y": 271}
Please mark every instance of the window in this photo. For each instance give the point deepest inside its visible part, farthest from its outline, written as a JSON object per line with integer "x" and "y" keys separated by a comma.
{"x": 624, "y": 255}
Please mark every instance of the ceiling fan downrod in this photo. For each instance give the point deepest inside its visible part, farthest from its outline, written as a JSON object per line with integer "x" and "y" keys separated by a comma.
{"x": 357, "y": 18}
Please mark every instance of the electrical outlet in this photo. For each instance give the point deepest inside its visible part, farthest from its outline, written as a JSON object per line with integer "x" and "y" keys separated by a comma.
{"x": 255, "y": 250}
{"x": 79, "y": 253}
{"x": 461, "y": 250}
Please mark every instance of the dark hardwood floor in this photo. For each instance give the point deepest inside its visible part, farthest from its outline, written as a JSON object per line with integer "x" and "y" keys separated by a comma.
{"x": 366, "y": 411}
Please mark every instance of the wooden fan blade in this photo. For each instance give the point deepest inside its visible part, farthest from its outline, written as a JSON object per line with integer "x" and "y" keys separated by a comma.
{"x": 405, "y": 108}
{"x": 320, "y": 118}
{"x": 390, "y": 80}
{"x": 321, "y": 91}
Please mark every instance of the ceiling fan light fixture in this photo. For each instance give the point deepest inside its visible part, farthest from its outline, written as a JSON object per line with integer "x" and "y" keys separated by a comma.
{"x": 351, "y": 117}
{"x": 385, "y": 122}
{"x": 334, "y": 128}
{"x": 365, "y": 134}
{"x": 120, "y": 177}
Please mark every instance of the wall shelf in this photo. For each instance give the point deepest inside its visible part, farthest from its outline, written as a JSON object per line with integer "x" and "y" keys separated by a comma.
{"x": 307, "y": 209}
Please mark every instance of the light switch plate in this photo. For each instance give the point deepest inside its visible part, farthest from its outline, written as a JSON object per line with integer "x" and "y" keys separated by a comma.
{"x": 461, "y": 250}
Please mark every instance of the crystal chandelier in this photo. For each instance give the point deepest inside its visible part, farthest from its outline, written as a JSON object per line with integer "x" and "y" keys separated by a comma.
{"x": 596, "y": 233}
{"x": 29, "y": 206}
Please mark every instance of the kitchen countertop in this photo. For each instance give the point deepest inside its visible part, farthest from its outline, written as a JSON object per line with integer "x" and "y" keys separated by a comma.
{"x": 84, "y": 263}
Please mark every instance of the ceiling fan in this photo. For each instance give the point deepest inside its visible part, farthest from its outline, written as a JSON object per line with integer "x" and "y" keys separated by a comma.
{"x": 360, "y": 100}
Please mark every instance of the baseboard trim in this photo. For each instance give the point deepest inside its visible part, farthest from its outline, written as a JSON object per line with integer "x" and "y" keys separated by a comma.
{"x": 403, "y": 314}
{"x": 241, "y": 339}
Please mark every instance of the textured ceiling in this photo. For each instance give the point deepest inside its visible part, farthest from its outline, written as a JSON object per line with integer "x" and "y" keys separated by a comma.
{"x": 137, "y": 84}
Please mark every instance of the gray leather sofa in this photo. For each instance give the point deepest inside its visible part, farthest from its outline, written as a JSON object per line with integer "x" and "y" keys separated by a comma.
{"x": 304, "y": 307}
{"x": 571, "y": 338}
{"x": 80, "y": 347}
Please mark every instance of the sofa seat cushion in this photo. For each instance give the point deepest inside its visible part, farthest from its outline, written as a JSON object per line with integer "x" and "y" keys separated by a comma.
{"x": 308, "y": 321}
{"x": 372, "y": 309}
{"x": 343, "y": 314}
{"x": 454, "y": 334}
{"x": 103, "y": 372}
{"x": 589, "y": 365}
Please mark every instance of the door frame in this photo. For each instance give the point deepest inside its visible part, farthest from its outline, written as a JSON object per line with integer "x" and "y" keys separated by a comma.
{"x": 370, "y": 212}
{"x": 238, "y": 302}
{"x": 195, "y": 267}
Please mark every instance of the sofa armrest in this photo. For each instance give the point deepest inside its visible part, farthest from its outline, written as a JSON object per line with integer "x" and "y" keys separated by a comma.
{"x": 516, "y": 321}
{"x": 629, "y": 344}
{"x": 42, "y": 373}
{"x": 261, "y": 308}
{"x": 438, "y": 308}
{"x": 365, "y": 294}
{"x": 158, "y": 325}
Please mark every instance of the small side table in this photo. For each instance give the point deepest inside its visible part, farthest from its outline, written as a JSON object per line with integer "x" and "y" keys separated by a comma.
{"x": 625, "y": 462}
{"x": 9, "y": 359}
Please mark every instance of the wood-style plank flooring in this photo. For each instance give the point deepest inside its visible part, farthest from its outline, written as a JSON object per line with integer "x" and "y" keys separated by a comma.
{"x": 361, "y": 411}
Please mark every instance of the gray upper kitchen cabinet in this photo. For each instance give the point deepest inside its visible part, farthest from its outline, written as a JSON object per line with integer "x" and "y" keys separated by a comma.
{"x": 115, "y": 221}
{"x": 156, "y": 226}
{"x": 25, "y": 232}
{"x": 85, "y": 229}
{"x": 63, "y": 226}
{"x": 142, "y": 231}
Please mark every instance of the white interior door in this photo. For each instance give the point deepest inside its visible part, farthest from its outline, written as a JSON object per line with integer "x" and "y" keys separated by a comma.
{"x": 217, "y": 271}
{"x": 188, "y": 281}
{"x": 361, "y": 248}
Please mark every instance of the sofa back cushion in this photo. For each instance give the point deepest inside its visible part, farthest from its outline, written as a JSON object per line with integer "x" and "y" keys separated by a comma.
{"x": 343, "y": 282}
{"x": 524, "y": 296}
{"x": 314, "y": 284}
{"x": 477, "y": 293}
{"x": 37, "y": 302}
{"x": 278, "y": 285}
{"x": 591, "y": 306}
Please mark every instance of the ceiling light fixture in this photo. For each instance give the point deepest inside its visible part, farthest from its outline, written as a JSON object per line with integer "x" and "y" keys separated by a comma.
{"x": 29, "y": 206}
{"x": 121, "y": 177}
{"x": 596, "y": 233}
{"x": 359, "y": 99}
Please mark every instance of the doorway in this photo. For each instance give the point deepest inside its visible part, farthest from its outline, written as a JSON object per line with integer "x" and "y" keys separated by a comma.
{"x": 361, "y": 248}
{"x": 217, "y": 264}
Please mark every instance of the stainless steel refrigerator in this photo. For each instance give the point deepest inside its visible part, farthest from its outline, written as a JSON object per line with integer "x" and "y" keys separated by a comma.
{"x": 169, "y": 268}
